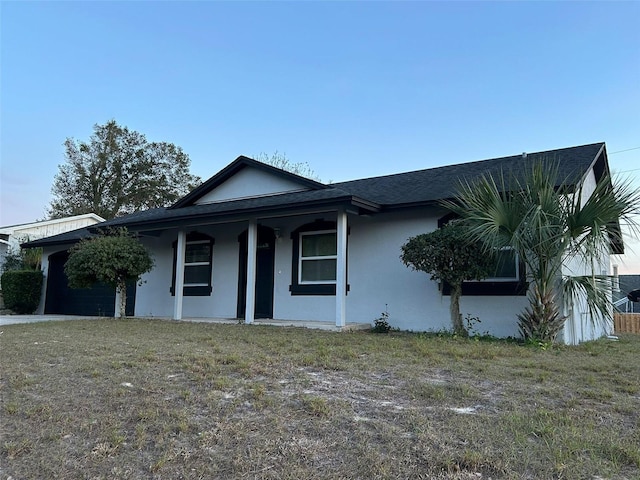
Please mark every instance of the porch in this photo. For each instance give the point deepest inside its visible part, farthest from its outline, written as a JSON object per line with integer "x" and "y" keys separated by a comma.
{"x": 317, "y": 325}
{"x": 291, "y": 267}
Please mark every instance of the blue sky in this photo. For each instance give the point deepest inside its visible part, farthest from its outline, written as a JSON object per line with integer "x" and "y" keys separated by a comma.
{"x": 355, "y": 89}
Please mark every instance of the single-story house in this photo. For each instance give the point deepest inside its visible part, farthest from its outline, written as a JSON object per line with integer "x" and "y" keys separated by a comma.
{"x": 254, "y": 241}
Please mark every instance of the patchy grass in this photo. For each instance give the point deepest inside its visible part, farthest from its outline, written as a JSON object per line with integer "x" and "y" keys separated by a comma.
{"x": 131, "y": 399}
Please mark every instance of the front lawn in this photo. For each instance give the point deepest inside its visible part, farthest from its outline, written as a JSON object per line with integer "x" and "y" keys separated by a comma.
{"x": 131, "y": 399}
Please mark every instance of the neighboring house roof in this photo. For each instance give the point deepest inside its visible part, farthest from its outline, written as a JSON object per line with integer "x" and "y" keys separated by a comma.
{"x": 368, "y": 195}
{"x": 87, "y": 218}
{"x": 14, "y": 234}
{"x": 628, "y": 283}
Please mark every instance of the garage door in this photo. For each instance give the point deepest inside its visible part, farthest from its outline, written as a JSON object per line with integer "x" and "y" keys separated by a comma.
{"x": 97, "y": 301}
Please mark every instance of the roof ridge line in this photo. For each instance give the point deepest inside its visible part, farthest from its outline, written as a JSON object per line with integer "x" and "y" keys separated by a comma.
{"x": 454, "y": 165}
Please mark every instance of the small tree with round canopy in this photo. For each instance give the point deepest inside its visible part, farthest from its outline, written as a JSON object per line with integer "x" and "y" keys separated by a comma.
{"x": 448, "y": 256}
{"x": 114, "y": 258}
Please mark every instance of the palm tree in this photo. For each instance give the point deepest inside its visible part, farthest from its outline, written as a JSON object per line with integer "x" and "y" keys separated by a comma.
{"x": 552, "y": 227}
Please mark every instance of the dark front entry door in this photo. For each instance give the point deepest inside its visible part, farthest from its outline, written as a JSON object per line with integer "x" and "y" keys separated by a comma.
{"x": 265, "y": 257}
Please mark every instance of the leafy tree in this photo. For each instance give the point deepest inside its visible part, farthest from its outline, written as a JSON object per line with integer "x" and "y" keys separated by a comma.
{"x": 114, "y": 258}
{"x": 118, "y": 172}
{"x": 280, "y": 160}
{"x": 448, "y": 256}
{"x": 550, "y": 228}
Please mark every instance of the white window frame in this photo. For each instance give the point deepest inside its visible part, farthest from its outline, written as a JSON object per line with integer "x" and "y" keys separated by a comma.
{"x": 317, "y": 257}
{"x": 197, "y": 264}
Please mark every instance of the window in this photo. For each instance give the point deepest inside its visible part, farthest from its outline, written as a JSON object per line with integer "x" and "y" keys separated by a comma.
{"x": 318, "y": 257}
{"x": 508, "y": 279}
{"x": 507, "y": 266}
{"x": 198, "y": 262}
{"x": 314, "y": 259}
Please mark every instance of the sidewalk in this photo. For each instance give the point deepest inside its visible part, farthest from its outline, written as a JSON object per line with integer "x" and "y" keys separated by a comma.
{"x": 14, "y": 319}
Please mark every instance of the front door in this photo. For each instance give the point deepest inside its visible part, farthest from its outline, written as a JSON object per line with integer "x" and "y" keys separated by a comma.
{"x": 265, "y": 257}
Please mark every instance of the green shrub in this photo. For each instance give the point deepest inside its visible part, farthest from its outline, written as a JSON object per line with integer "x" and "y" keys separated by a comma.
{"x": 381, "y": 325}
{"x": 21, "y": 290}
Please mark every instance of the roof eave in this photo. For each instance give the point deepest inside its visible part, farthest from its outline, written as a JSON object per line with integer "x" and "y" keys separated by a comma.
{"x": 44, "y": 242}
{"x": 362, "y": 206}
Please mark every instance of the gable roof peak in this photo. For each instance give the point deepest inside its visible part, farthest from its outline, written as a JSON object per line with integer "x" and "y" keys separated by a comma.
{"x": 234, "y": 167}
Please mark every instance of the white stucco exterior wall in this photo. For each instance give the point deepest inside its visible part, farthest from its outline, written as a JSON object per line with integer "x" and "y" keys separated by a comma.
{"x": 153, "y": 297}
{"x": 377, "y": 278}
{"x": 414, "y": 302}
{"x": 580, "y": 326}
{"x": 44, "y": 266}
{"x": 249, "y": 182}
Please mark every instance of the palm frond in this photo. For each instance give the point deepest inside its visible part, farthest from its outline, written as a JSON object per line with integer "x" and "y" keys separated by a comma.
{"x": 596, "y": 221}
{"x": 488, "y": 210}
{"x": 594, "y": 290}
{"x": 551, "y": 225}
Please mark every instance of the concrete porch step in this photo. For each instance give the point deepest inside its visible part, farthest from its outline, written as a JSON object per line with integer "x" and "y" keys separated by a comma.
{"x": 318, "y": 325}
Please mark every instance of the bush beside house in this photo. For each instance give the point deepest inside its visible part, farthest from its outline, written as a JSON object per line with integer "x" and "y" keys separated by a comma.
{"x": 21, "y": 290}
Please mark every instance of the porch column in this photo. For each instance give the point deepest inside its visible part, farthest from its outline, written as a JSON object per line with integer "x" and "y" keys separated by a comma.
{"x": 179, "y": 285}
{"x": 341, "y": 269}
{"x": 117, "y": 309}
{"x": 252, "y": 247}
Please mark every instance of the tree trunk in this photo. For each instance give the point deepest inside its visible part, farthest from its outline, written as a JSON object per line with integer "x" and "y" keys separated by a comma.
{"x": 122, "y": 293}
{"x": 542, "y": 319}
{"x": 454, "y": 308}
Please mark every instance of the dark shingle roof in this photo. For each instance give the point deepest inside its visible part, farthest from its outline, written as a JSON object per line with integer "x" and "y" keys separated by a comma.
{"x": 288, "y": 201}
{"x": 629, "y": 283}
{"x": 65, "y": 238}
{"x": 421, "y": 187}
{"x": 435, "y": 184}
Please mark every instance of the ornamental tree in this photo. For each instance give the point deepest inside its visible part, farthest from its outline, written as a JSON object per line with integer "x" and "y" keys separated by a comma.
{"x": 447, "y": 255}
{"x": 114, "y": 258}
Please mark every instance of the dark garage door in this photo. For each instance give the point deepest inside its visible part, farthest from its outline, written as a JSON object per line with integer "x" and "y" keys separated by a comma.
{"x": 96, "y": 301}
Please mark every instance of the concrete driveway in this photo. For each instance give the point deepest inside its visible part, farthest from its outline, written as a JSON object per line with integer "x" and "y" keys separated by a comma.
{"x": 13, "y": 319}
